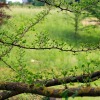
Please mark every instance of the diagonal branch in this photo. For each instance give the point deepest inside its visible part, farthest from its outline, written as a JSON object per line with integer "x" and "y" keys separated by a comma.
{"x": 7, "y": 64}
{"x": 24, "y": 32}
{"x": 33, "y": 24}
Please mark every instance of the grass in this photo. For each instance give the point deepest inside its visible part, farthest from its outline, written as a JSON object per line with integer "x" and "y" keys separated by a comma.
{"x": 59, "y": 26}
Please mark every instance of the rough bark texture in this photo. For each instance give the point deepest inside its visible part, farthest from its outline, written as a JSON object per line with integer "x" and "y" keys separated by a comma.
{"x": 81, "y": 78}
{"x": 15, "y": 88}
{"x": 50, "y": 92}
{"x": 6, "y": 94}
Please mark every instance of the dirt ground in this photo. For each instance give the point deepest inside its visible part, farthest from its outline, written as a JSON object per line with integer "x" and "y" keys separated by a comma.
{"x": 90, "y": 21}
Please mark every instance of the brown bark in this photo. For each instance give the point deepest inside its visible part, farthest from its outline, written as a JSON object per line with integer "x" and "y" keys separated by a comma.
{"x": 18, "y": 88}
{"x": 50, "y": 92}
{"x": 7, "y": 94}
{"x": 80, "y": 78}
{"x": 2, "y": 4}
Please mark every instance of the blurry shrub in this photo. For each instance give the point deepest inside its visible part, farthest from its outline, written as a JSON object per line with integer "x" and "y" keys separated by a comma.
{"x": 2, "y": 12}
{"x": 14, "y": 3}
{"x": 37, "y": 3}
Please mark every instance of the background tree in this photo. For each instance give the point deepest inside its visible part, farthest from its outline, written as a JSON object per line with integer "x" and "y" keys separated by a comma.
{"x": 36, "y": 2}
{"x": 2, "y": 13}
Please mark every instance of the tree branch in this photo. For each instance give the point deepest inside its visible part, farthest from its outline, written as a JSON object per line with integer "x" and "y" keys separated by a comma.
{"x": 52, "y": 82}
{"x": 7, "y": 64}
{"x": 23, "y": 33}
{"x": 80, "y": 78}
{"x": 67, "y": 9}
{"x": 57, "y": 6}
{"x": 51, "y": 92}
{"x": 7, "y": 94}
{"x": 48, "y": 48}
